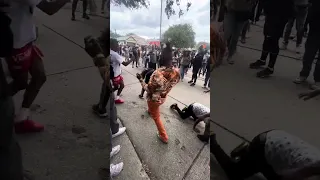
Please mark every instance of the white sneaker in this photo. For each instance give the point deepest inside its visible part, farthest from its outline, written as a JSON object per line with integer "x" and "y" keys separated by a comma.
{"x": 115, "y": 169}
{"x": 300, "y": 80}
{"x": 315, "y": 86}
{"x": 121, "y": 131}
{"x": 115, "y": 150}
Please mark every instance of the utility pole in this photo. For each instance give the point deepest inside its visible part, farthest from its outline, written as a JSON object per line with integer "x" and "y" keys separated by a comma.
{"x": 160, "y": 22}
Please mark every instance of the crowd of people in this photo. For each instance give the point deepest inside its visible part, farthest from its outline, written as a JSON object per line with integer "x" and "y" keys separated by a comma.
{"x": 279, "y": 21}
{"x": 184, "y": 59}
{"x": 274, "y": 153}
{"x": 160, "y": 74}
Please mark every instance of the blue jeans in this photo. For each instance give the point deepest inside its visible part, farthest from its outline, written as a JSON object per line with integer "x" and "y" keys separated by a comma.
{"x": 182, "y": 71}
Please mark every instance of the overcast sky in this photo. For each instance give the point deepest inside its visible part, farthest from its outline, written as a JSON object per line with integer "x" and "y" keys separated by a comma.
{"x": 146, "y": 22}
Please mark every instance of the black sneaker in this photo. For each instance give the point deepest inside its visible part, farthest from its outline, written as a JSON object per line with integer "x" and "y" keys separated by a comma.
{"x": 73, "y": 18}
{"x": 100, "y": 112}
{"x": 174, "y": 106}
{"x": 193, "y": 84}
{"x": 258, "y": 64}
{"x": 265, "y": 73}
{"x": 239, "y": 150}
{"x": 190, "y": 82}
{"x": 203, "y": 138}
{"x": 85, "y": 16}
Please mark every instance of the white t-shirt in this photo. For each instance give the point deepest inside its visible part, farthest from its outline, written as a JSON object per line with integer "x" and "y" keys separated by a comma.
{"x": 22, "y": 23}
{"x": 199, "y": 109}
{"x": 287, "y": 153}
{"x": 115, "y": 61}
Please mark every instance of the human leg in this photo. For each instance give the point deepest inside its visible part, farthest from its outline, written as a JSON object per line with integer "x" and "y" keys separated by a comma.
{"x": 74, "y": 8}
{"x": 154, "y": 110}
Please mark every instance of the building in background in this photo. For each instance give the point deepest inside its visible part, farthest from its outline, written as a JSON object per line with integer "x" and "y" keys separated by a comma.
{"x": 132, "y": 40}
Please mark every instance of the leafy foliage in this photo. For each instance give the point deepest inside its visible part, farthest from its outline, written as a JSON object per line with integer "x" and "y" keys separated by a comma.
{"x": 137, "y": 4}
{"x": 180, "y": 36}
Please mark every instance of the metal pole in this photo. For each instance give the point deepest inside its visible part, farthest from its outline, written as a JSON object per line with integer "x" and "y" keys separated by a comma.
{"x": 160, "y": 22}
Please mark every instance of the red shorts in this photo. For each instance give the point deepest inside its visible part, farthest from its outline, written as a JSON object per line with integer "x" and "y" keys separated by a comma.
{"x": 22, "y": 59}
{"x": 116, "y": 81}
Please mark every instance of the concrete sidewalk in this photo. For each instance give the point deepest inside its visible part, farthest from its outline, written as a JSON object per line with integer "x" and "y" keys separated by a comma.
{"x": 74, "y": 144}
{"x": 185, "y": 157}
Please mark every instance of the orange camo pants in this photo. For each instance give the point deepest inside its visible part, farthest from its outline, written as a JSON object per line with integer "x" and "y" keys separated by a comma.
{"x": 154, "y": 110}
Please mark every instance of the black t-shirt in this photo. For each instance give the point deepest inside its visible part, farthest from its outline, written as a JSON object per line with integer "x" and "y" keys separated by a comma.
{"x": 135, "y": 52}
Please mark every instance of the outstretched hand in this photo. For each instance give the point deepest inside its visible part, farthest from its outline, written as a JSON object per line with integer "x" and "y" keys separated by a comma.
{"x": 309, "y": 95}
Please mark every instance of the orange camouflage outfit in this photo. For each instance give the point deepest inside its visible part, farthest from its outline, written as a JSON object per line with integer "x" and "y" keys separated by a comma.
{"x": 161, "y": 82}
{"x": 217, "y": 46}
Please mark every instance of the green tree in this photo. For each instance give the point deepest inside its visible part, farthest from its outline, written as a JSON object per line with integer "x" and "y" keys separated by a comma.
{"x": 169, "y": 9}
{"x": 180, "y": 35}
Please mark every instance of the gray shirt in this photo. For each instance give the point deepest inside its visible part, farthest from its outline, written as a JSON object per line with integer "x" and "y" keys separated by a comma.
{"x": 153, "y": 56}
{"x": 287, "y": 153}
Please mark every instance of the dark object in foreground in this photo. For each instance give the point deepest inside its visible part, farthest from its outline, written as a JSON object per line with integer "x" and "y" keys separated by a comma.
{"x": 309, "y": 95}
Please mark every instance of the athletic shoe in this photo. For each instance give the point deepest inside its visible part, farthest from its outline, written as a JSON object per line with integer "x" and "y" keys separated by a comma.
{"x": 121, "y": 131}
{"x": 100, "y": 112}
{"x": 300, "y": 80}
{"x": 73, "y": 18}
{"x": 265, "y": 73}
{"x": 230, "y": 60}
{"x": 85, "y": 16}
{"x": 140, "y": 96}
{"x": 192, "y": 84}
{"x": 115, "y": 150}
{"x": 173, "y": 106}
{"x": 28, "y": 126}
{"x": 115, "y": 169}
{"x": 161, "y": 139}
{"x": 315, "y": 86}
{"x": 258, "y": 64}
{"x": 119, "y": 101}
{"x": 238, "y": 151}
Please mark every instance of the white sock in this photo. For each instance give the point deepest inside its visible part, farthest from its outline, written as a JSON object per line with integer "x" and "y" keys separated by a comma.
{"x": 23, "y": 115}
{"x": 117, "y": 97}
